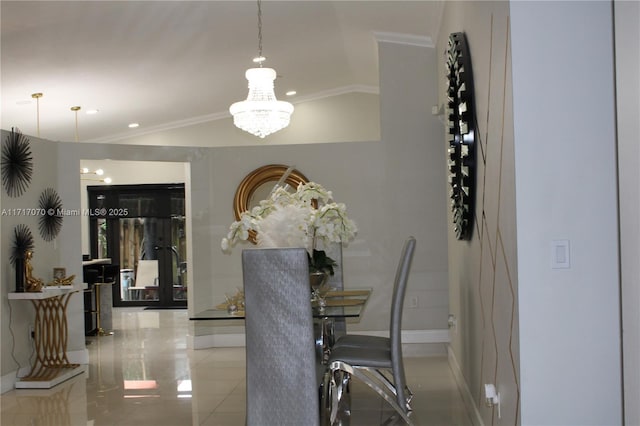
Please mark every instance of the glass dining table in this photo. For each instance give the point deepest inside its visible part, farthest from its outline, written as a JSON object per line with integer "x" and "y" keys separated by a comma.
{"x": 339, "y": 305}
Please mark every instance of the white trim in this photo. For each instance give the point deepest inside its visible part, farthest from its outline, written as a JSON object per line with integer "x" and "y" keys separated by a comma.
{"x": 238, "y": 339}
{"x": 467, "y": 397}
{"x": 354, "y": 88}
{"x": 78, "y": 357}
{"x": 192, "y": 121}
{"x": 415, "y": 336}
{"x": 8, "y": 381}
{"x": 399, "y": 38}
{"x": 232, "y": 340}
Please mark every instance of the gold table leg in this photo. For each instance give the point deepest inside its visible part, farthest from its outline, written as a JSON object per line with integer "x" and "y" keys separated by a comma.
{"x": 51, "y": 335}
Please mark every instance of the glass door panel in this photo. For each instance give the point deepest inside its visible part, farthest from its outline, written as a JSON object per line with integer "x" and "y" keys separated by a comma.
{"x": 139, "y": 265}
{"x": 179, "y": 258}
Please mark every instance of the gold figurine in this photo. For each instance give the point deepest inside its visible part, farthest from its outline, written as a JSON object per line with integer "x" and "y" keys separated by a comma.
{"x": 31, "y": 283}
{"x": 62, "y": 281}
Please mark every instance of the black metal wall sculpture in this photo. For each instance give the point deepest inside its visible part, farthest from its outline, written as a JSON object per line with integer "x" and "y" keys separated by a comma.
{"x": 17, "y": 163}
{"x": 50, "y": 219}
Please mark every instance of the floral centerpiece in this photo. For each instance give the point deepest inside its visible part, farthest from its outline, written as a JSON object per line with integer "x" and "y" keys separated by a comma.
{"x": 298, "y": 219}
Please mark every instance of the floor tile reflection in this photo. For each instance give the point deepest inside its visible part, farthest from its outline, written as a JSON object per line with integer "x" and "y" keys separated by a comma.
{"x": 144, "y": 375}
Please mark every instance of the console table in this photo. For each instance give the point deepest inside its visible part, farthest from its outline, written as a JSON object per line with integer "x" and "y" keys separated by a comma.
{"x": 51, "y": 365}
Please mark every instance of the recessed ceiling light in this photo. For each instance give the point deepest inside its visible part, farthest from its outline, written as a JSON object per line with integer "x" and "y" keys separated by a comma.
{"x": 133, "y": 125}
{"x": 291, "y": 93}
{"x": 92, "y": 111}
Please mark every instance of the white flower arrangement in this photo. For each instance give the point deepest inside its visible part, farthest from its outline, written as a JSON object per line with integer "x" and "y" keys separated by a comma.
{"x": 295, "y": 219}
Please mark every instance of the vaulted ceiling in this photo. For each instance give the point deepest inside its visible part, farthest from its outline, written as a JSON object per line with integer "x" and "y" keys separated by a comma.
{"x": 167, "y": 63}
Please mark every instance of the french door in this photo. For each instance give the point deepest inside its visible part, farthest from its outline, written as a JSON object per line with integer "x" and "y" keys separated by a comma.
{"x": 142, "y": 229}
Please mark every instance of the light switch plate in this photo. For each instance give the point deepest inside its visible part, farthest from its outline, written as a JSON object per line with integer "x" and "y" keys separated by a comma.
{"x": 560, "y": 254}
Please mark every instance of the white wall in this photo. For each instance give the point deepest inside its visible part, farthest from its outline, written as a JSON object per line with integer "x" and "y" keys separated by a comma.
{"x": 627, "y": 30}
{"x": 565, "y": 160}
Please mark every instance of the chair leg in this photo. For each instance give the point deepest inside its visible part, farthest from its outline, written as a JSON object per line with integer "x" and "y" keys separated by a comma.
{"x": 409, "y": 396}
{"x": 338, "y": 397}
{"x": 379, "y": 374}
{"x": 371, "y": 378}
{"x": 334, "y": 394}
{"x": 325, "y": 400}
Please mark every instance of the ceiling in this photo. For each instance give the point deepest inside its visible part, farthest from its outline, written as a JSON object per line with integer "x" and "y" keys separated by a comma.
{"x": 165, "y": 64}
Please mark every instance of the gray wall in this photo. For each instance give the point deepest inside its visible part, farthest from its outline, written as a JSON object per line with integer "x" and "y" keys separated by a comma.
{"x": 483, "y": 284}
{"x": 416, "y": 179}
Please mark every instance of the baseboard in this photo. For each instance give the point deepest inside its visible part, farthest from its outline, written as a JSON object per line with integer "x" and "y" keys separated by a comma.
{"x": 467, "y": 397}
{"x": 232, "y": 340}
{"x": 8, "y": 381}
{"x": 409, "y": 337}
{"x": 415, "y": 336}
{"x": 78, "y": 357}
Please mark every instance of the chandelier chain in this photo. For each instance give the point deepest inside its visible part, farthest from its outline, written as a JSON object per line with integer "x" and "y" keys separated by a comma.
{"x": 260, "y": 30}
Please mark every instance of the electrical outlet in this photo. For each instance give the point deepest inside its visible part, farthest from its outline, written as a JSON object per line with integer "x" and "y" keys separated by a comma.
{"x": 453, "y": 323}
{"x": 413, "y": 302}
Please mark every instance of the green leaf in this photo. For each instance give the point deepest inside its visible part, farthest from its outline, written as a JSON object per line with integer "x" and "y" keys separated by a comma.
{"x": 320, "y": 262}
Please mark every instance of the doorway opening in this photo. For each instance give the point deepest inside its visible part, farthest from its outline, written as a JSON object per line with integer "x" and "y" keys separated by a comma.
{"x": 141, "y": 228}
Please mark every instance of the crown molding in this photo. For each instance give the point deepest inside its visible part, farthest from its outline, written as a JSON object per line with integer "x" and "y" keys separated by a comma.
{"x": 192, "y": 121}
{"x": 399, "y": 38}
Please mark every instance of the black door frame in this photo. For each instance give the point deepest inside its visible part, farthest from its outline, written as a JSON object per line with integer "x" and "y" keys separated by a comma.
{"x": 104, "y": 203}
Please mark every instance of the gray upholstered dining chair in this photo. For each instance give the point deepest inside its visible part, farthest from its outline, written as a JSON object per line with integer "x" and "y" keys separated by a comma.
{"x": 368, "y": 358}
{"x": 282, "y": 377}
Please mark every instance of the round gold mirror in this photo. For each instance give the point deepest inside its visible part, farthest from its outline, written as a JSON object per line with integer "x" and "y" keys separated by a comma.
{"x": 257, "y": 186}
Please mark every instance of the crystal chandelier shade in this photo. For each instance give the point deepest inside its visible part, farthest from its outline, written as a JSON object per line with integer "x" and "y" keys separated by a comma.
{"x": 261, "y": 113}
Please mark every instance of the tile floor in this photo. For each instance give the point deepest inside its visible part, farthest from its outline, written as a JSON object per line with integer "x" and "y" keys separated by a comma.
{"x": 145, "y": 375}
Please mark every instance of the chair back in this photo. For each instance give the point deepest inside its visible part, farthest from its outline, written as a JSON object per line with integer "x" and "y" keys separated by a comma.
{"x": 397, "y": 304}
{"x": 282, "y": 383}
{"x": 147, "y": 273}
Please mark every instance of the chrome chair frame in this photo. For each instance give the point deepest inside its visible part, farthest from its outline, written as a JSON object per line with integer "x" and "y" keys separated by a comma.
{"x": 368, "y": 363}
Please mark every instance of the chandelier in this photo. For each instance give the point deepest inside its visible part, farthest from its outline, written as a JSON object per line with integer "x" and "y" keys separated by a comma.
{"x": 261, "y": 113}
